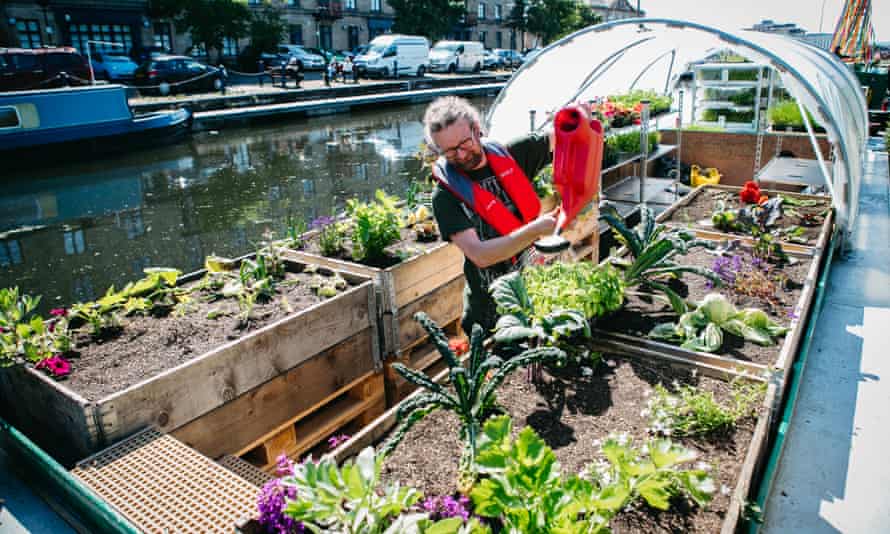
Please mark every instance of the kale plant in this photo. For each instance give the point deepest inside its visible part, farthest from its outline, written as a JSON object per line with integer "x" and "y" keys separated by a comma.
{"x": 472, "y": 393}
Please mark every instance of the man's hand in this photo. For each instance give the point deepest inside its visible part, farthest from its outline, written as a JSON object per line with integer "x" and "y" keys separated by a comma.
{"x": 492, "y": 251}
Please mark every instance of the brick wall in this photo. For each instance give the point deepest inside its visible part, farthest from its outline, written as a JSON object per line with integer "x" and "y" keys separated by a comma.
{"x": 733, "y": 153}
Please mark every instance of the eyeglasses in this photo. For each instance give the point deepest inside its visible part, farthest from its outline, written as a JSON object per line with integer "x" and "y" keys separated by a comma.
{"x": 464, "y": 145}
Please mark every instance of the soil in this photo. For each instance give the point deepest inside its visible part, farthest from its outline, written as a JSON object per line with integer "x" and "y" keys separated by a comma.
{"x": 572, "y": 414}
{"x": 407, "y": 247}
{"x": 697, "y": 214}
{"x": 145, "y": 346}
{"x": 640, "y": 314}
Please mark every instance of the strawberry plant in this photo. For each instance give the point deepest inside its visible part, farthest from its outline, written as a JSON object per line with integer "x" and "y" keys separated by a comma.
{"x": 472, "y": 393}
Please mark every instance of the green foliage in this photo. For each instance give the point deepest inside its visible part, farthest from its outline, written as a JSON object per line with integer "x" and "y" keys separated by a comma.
{"x": 714, "y": 114}
{"x": 630, "y": 142}
{"x": 377, "y": 226}
{"x": 543, "y": 182}
{"x": 524, "y": 488}
{"x": 702, "y": 329}
{"x": 433, "y": 19}
{"x": 267, "y": 26}
{"x": 211, "y": 21}
{"x": 331, "y": 238}
{"x": 24, "y": 335}
{"x": 658, "y": 102}
{"x": 742, "y": 75}
{"x": 472, "y": 393}
{"x": 346, "y": 499}
{"x": 582, "y": 286}
{"x": 785, "y": 113}
{"x": 652, "y": 248}
{"x": 295, "y": 229}
{"x": 255, "y": 280}
{"x": 887, "y": 138}
{"x": 554, "y": 19}
{"x": 689, "y": 411}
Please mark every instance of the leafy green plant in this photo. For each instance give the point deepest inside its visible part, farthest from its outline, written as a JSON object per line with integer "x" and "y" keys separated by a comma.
{"x": 714, "y": 114}
{"x": 295, "y": 228}
{"x": 472, "y": 393}
{"x": 581, "y": 286}
{"x": 331, "y": 238}
{"x": 101, "y": 315}
{"x": 24, "y": 335}
{"x": 688, "y": 411}
{"x": 346, "y": 499}
{"x": 652, "y": 248}
{"x": 658, "y": 103}
{"x": 543, "y": 182}
{"x": 377, "y": 225}
{"x": 702, "y": 329}
{"x": 629, "y": 142}
{"x": 785, "y": 113}
{"x": 742, "y": 75}
{"x": 523, "y": 486}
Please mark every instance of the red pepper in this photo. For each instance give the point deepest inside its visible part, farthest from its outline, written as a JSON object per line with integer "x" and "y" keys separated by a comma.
{"x": 750, "y": 193}
{"x": 459, "y": 346}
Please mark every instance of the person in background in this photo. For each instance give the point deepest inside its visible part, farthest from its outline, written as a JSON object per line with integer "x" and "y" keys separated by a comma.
{"x": 347, "y": 68}
{"x": 485, "y": 202}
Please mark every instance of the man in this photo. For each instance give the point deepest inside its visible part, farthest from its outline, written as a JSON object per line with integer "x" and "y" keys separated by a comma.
{"x": 485, "y": 202}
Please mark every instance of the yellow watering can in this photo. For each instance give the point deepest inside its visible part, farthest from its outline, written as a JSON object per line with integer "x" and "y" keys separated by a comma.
{"x": 708, "y": 176}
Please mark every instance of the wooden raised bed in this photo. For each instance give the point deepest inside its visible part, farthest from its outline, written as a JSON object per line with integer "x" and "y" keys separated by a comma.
{"x": 753, "y": 453}
{"x": 72, "y": 427}
{"x": 672, "y": 216}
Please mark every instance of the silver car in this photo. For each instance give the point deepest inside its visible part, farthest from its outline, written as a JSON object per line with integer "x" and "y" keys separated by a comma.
{"x": 304, "y": 59}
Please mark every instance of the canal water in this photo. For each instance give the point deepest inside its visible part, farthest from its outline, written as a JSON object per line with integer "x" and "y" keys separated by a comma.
{"x": 68, "y": 233}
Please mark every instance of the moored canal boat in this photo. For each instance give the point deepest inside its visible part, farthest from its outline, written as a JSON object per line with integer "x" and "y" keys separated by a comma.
{"x": 75, "y": 122}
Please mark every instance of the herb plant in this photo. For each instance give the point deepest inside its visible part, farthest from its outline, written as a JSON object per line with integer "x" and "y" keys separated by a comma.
{"x": 524, "y": 488}
{"x": 472, "y": 393}
{"x": 576, "y": 286}
{"x": 702, "y": 329}
{"x": 294, "y": 231}
{"x": 377, "y": 226}
{"x": 652, "y": 248}
{"x": 688, "y": 411}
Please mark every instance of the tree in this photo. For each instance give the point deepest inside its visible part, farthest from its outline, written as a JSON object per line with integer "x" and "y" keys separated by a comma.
{"x": 266, "y": 29}
{"x": 553, "y": 19}
{"x": 517, "y": 20}
{"x": 212, "y": 21}
{"x": 431, "y": 18}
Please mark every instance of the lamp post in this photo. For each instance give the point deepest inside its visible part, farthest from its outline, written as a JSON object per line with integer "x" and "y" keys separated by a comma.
{"x": 90, "y": 57}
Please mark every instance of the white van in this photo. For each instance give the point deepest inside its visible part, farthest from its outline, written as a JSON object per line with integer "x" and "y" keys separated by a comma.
{"x": 407, "y": 53}
{"x": 453, "y": 56}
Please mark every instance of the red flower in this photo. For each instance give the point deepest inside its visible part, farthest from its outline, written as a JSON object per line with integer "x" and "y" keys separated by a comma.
{"x": 459, "y": 346}
{"x": 750, "y": 193}
{"x": 55, "y": 366}
{"x": 58, "y": 312}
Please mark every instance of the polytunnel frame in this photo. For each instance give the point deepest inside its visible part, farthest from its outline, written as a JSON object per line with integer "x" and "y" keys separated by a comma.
{"x": 846, "y": 204}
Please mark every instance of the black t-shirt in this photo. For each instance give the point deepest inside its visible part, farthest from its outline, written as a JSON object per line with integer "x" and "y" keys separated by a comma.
{"x": 531, "y": 153}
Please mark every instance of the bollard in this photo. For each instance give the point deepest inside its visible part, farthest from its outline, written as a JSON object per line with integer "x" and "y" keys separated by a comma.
{"x": 284, "y": 75}
{"x": 395, "y": 69}
{"x": 223, "y": 75}
{"x": 261, "y": 68}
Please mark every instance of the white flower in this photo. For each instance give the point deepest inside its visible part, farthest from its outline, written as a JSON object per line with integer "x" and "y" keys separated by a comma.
{"x": 675, "y": 384}
{"x": 623, "y": 439}
{"x": 703, "y": 466}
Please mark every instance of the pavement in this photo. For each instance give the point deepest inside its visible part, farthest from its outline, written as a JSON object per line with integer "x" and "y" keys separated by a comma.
{"x": 834, "y": 476}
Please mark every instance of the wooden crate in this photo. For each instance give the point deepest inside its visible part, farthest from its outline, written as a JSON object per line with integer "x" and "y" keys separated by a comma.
{"x": 348, "y": 409}
{"x": 71, "y": 427}
{"x": 421, "y": 356}
{"x": 428, "y": 282}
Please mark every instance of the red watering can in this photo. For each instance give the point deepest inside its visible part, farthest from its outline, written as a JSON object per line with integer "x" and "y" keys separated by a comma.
{"x": 577, "y": 162}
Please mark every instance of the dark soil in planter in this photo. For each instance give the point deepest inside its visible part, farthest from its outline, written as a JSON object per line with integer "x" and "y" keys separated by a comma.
{"x": 697, "y": 214}
{"x": 146, "y": 346}
{"x": 640, "y": 315}
{"x": 407, "y": 247}
{"x": 572, "y": 414}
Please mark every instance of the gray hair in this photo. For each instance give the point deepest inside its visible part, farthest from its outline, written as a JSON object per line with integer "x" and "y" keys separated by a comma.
{"x": 444, "y": 112}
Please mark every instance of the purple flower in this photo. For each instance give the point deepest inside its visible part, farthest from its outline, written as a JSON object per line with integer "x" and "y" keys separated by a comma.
{"x": 284, "y": 465}
{"x": 445, "y": 506}
{"x": 336, "y": 441}
{"x": 791, "y": 314}
{"x": 55, "y": 366}
{"x": 321, "y": 222}
{"x": 58, "y": 312}
{"x": 271, "y": 502}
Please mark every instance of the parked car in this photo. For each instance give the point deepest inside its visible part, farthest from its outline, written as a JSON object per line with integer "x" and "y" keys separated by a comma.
{"x": 143, "y": 54}
{"x": 453, "y": 56}
{"x": 113, "y": 67}
{"x": 173, "y": 71}
{"x": 531, "y": 54}
{"x": 511, "y": 58}
{"x": 408, "y": 53}
{"x": 492, "y": 61}
{"x": 306, "y": 60}
{"x": 23, "y": 69}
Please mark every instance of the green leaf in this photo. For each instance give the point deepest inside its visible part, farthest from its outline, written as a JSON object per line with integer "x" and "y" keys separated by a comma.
{"x": 699, "y": 485}
{"x": 677, "y": 302}
{"x": 666, "y": 454}
{"x": 167, "y": 274}
{"x": 509, "y": 294}
{"x": 666, "y": 332}
{"x": 512, "y": 329}
{"x": 445, "y": 526}
{"x": 656, "y": 492}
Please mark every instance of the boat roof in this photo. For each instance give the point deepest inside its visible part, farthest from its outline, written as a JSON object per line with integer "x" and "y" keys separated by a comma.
{"x": 37, "y": 51}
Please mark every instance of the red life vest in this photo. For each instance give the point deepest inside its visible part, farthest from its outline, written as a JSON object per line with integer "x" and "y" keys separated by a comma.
{"x": 487, "y": 205}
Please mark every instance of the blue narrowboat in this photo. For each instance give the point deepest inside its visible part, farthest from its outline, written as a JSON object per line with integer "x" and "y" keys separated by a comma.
{"x": 75, "y": 122}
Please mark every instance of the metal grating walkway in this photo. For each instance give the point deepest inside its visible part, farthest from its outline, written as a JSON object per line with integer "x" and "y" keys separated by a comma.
{"x": 162, "y": 485}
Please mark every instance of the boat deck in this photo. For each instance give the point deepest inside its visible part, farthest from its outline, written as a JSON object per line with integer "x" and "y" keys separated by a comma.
{"x": 833, "y": 475}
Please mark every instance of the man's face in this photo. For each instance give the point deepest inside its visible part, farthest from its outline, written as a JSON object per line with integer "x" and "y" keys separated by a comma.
{"x": 460, "y": 145}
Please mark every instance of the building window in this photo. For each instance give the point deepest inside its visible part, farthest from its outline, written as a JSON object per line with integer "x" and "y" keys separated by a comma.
{"x": 352, "y": 36}
{"x": 480, "y": 11}
{"x": 163, "y": 36}
{"x": 375, "y": 5}
{"x": 498, "y": 40}
{"x": 498, "y": 13}
{"x": 324, "y": 37}
{"x": 114, "y": 33}
{"x": 349, "y": 4}
{"x": 29, "y": 33}
{"x": 198, "y": 50}
{"x": 482, "y": 36}
{"x": 230, "y": 46}
{"x": 296, "y": 34}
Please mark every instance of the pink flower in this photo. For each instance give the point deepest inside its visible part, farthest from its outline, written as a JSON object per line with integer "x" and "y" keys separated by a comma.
{"x": 55, "y": 366}
{"x": 336, "y": 441}
{"x": 58, "y": 312}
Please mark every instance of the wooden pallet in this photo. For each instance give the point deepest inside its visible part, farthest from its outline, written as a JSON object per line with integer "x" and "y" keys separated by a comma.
{"x": 423, "y": 356}
{"x": 356, "y": 404}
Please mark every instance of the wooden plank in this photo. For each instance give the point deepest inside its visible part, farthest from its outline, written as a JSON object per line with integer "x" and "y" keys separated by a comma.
{"x": 182, "y": 394}
{"x": 55, "y": 417}
{"x": 281, "y": 443}
{"x": 415, "y": 277}
{"x": 443, "y": 305}
{"x": 236, "y": 425}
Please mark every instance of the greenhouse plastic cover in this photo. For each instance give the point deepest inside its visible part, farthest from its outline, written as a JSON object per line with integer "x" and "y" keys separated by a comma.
{"x": 616, "y": 57}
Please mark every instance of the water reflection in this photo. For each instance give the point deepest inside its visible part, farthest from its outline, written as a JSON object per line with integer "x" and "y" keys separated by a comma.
{"x": 68, "y": 233}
